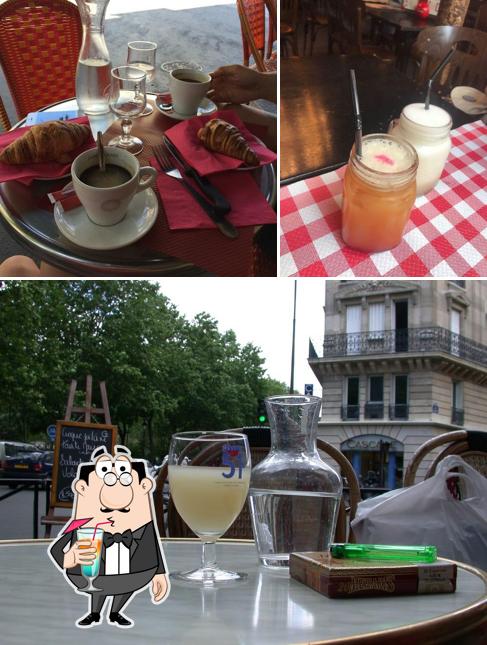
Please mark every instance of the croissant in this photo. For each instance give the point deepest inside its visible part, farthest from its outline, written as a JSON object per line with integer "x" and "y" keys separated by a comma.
{"x": 51, "y": 141}
{"x": 220, "y": 136}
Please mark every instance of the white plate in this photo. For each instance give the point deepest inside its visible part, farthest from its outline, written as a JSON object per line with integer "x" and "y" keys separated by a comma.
{"x": 79, "y": 229}
{"x": 469, "y": 100}
{"x": 206, "y": 107}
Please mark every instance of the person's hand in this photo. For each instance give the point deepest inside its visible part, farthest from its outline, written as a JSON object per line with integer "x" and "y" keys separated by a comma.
{"x": 159, "y": 587}
{"x": 80, "y": 553}
{"x": 236, "y": 84}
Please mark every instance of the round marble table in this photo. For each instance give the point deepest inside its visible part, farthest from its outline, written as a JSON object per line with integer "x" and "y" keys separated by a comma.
{"x": 269, "y": 608}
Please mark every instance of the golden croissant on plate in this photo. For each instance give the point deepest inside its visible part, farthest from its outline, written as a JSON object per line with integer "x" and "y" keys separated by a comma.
{"x": 220, "y": 136}
{"x": 51, "y": 141}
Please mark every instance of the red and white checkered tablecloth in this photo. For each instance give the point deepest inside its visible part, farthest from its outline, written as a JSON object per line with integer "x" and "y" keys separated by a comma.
{"x": 446, "y": 235}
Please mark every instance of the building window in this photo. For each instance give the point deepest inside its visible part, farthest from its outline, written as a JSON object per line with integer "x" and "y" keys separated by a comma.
{"x": 351, "y": 407}
{"x": 455, "y": 328}
{"x": 374, "y": 408}
{"x": 399, "y": 409}
{"x": 354, "y": 327}
{"x": 457, "y": 414}
{"x": 376, "y": 321}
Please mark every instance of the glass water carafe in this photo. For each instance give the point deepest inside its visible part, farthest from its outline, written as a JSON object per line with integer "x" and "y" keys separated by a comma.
{"x": 294, "y": 495}
{"x": 94, "y": 66}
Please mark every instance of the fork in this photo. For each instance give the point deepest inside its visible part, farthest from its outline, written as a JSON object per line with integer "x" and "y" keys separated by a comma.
{"x": 170, "y": 169}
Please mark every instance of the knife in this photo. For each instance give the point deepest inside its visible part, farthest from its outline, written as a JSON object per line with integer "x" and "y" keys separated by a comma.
{"x": 221, "y": 204}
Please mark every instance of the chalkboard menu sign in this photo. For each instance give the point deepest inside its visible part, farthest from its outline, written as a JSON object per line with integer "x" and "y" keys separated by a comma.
{"x": 74, "y": 444}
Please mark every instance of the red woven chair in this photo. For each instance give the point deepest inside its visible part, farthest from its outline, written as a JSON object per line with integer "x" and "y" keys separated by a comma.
{"x": 252, "y": 14}
{"x": 4, "y": 120}
{"x": 39, "y": 47}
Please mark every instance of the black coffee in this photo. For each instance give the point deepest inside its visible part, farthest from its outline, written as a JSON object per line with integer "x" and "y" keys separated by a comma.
{"x": 112, "y": 176}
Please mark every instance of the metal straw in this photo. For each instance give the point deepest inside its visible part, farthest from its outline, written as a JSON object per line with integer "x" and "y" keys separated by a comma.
{"x": 434, "y": 75}
{"x": 358, "y": 118}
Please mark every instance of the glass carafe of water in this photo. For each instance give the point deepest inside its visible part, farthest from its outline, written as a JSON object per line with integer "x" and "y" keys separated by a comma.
{"x": 93, "y": 71}
{"x": 293, "y": 494}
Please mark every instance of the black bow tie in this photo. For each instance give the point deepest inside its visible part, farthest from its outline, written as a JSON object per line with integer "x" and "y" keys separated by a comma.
{"x": 126, "y": 538}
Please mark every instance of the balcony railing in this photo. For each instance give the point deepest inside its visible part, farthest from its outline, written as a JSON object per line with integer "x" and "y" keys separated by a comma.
{"x": 416, "y": 340}
{"x": 399, "y": 411}
{"x": 350, "y": 412}
{"x": 374, "y": 410}
{"x": 457, "y": 416}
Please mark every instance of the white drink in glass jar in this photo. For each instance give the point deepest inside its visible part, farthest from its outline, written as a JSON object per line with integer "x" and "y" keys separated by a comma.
{"x": 206, "y": 501}
{"x": 429, "y": 132}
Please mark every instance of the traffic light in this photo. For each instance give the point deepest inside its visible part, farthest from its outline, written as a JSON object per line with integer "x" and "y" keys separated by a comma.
{"x": 261, "y": 412}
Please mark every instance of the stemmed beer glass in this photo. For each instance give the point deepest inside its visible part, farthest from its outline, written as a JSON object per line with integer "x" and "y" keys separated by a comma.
{"x": 127, "y": 100}
{"x": 209, "y": 475}
{"x": 142, "y": 54}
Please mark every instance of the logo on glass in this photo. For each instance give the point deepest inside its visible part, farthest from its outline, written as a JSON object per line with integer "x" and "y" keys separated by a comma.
{"x": 232, "y": 457}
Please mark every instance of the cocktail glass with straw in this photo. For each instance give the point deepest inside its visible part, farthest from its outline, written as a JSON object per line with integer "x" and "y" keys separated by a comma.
{"x": 209, "y": 475}
{"x": 91, "y": 570}
{"x": 379, "y": 187}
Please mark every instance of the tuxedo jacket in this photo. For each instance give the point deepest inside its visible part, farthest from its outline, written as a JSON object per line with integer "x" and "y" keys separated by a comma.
{"x": 145, "y": 552}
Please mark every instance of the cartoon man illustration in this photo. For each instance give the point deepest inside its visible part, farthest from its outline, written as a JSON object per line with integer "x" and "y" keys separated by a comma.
{"x": 113, "y": 492}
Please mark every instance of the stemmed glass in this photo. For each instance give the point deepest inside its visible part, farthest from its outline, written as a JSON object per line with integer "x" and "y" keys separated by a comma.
{"x": 91, "y": 570}
{"x": 127, "y": 100}
{"x": 142, "y": 54}
{"x": 209, "y": 475}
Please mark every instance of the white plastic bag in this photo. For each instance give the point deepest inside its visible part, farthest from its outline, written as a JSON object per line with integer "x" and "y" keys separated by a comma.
{"x": 427, "y": 513}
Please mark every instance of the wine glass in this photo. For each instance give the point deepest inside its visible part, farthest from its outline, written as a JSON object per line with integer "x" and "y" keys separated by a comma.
{"x": 209, "y": 475}
{"x": 142, "y": 54}
{"x": 91, "y": 570}
{"x": 127, "y": 100}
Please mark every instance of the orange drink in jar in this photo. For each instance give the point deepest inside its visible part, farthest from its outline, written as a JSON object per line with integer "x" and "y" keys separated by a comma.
{"x": 378, "y": 193}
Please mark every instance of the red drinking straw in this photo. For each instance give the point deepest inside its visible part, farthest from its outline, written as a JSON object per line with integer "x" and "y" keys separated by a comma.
{"x": 96, "y": 526}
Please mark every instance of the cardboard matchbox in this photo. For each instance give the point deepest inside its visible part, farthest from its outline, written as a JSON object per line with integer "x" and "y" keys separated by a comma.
{"x": 344, "y": 578}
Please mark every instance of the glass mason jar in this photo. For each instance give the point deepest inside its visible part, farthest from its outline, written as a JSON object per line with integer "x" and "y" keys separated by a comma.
{"x": 378, "y": 193}
{"x": 94, "y": 66}
{"x": 429, "y": 132}
{"x": 293, "y": 494}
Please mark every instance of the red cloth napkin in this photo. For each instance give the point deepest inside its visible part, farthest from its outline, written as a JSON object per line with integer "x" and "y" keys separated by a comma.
{"x": 184, "y": 135}
{"x": 249, "y": 206}
{"x": 49, "y": 170}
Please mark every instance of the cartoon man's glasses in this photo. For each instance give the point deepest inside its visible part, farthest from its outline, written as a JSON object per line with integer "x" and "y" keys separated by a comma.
{"x": 110, "y": 479}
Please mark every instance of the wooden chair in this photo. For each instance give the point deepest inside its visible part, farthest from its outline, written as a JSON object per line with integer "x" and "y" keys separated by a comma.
{"x": 471, "y": 445}
{"x": 4, "y": 120}
{"x": 289, "y": 26}
{"x": 481, "y": 22}
{"x": 39, "y": 47}
{"x": 315, "y": 19}
{"x": 346, "y": 32}
{"x": 252, "y": 14}
{"x": 174, "y": 526}
{"x": 468, "y": 65}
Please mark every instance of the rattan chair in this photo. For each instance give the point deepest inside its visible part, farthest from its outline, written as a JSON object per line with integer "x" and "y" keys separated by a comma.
{"x": 173, "y": 526}
{"x": 316, "y": 18}
{"x": 252, "y": 14}
{"x": 39, "y": 47}
{"x": 468, "y": 66}
{"x": 471, "y": 445}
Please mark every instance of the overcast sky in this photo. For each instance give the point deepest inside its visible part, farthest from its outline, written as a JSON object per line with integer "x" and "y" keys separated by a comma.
{"x": 260, "y": 311}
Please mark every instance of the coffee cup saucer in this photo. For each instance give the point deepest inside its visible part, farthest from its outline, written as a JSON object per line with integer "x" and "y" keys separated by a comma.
{"x": 76, "y": 226}
{"x": 206, "y": 107}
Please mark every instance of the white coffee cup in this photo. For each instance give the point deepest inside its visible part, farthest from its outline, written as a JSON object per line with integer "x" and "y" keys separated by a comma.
{"x": 188, "y": 87}
{"x": 108, "y": 206}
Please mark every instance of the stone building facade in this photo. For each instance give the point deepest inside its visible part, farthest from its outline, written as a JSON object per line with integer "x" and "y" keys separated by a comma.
{"x": 402, "y": 361}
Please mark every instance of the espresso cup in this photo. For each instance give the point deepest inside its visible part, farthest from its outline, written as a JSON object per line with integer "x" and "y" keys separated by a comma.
{"x": 188, "y": 87}
{"x": 108, "y": 206}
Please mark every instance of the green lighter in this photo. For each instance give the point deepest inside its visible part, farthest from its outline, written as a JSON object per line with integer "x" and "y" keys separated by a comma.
{"x": 384, "y": 552}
